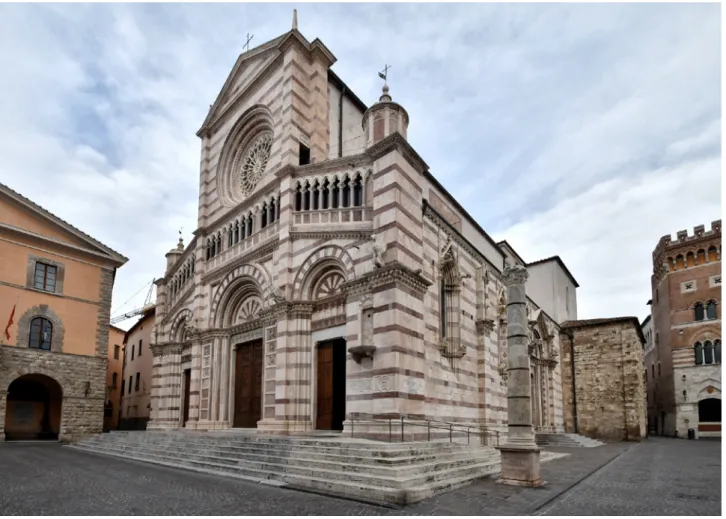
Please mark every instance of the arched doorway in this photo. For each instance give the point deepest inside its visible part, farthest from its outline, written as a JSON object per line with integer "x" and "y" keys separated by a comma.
{"x": 709, "y": 417}
{"x": 34, "y": 405}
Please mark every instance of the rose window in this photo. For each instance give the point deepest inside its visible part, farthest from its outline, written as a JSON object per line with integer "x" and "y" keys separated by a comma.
{"x": 249, "y": 166}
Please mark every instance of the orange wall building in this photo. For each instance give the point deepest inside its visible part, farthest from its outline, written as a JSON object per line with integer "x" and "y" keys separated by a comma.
{"x": 113, "y": 378}
{"x": 56, "y": 282}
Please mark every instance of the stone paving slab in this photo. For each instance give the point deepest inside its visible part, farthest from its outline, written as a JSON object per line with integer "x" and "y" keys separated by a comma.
{"x": 486, "y": 497}
{"x": 661, "y": 476}
{"x": 657, "y": 477}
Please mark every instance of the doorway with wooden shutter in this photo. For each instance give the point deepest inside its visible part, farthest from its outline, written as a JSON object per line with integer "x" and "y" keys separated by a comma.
{"x": 248, "y": 385}
{"x": 331, "y": 356}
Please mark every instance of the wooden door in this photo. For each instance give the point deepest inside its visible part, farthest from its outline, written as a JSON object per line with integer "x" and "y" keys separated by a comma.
{"x": 187, "y": 384}
{"x": 248, "y": 385}
{"x": 325, "y": 387}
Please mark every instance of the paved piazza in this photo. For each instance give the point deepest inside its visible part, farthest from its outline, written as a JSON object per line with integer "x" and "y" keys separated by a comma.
{"x": 657, "y": 477}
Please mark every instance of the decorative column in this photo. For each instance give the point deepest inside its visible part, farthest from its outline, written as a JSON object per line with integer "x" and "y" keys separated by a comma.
{"x": 216, "y": 379}
{"x": 195, "y": 382}
{"x": 520, "y": 454}
{"x": 224, "y": 384}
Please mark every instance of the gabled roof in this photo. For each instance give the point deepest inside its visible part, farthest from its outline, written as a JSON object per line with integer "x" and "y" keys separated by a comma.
{"x": 44, "y": 213}
{"x": 277, "y": 43}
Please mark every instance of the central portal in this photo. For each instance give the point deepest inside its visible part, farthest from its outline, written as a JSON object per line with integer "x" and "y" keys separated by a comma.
{"x": 331, "y": 385}
{"x": 248, "y": 385}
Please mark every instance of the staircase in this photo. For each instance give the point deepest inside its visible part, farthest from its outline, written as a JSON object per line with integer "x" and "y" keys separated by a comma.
{"x": 566, "y": 440}
{"x": 399, "y": 473}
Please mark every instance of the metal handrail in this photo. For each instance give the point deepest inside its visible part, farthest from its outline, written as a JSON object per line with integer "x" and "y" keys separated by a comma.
{"x": 429, "y": 424}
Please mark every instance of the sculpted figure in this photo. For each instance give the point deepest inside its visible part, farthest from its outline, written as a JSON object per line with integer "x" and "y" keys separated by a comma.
{"x": 276, "y": 294}
{"x": 378, "y": 251}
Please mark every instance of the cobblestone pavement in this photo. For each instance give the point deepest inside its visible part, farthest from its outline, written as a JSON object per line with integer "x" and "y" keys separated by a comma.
{"x": 661, "y": 476}
{"x": 657, "y": 477}
{"x": 47, "y": 479}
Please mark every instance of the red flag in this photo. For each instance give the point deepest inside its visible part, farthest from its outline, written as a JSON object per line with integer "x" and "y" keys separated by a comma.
{"x": 10, "y": 322}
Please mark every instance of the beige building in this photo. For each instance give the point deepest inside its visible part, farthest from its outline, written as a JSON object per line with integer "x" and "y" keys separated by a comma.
{"x": 604, "y": 389}
{"x": 684, "y": 386}
{"x": 137, "y": 372}
{"x": 333, "y": 282}
{"x": 55, "y": 299}
{"x": 114, "y": 375}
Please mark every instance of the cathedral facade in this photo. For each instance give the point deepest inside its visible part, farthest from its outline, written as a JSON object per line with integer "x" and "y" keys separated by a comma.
{"x": 332, "y": 282}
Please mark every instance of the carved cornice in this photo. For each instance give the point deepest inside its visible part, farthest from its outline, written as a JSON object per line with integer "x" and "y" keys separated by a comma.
{"x": 393, "y": 271}
{"x": 165, "y": 348}
{"x": 348, "y": 163}
{"x": 338, "y": 234}
{"x": 397, "y": 142}
{"x": 455, "y": 236}
{"x": 262, "y": 249}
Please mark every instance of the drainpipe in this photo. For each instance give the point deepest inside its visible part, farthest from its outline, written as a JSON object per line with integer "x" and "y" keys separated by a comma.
{"x": 340, "y": 123}
{"x": 571, "y": 335}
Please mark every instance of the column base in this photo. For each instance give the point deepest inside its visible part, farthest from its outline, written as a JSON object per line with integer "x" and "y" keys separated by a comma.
{"x": 520, "y": 466}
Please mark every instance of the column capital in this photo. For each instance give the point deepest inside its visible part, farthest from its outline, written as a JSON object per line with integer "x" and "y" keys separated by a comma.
{"x": 515, "y": 275}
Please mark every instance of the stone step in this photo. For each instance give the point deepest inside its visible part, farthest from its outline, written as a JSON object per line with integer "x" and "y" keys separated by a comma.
{"x": 566, "y": 440}
{"x": 345, "y": 483}
{"x": 356, "y": 465}
{"x": 388, "y": 451}
{"x": 365, "y": 470}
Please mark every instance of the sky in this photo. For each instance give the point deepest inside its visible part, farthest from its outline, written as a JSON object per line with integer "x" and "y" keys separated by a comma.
{"x": 586, "y": 131}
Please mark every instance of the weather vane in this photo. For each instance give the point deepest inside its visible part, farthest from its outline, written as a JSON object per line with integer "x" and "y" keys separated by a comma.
{"x": 249, "y": 39}
{"x": 384, "y": 75}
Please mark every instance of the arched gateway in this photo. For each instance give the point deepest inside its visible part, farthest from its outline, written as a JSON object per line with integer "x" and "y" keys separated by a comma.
{"x": 34, "y": 408}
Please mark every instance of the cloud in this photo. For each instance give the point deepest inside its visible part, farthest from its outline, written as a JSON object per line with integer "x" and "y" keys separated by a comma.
{"x": 566, "y": 129}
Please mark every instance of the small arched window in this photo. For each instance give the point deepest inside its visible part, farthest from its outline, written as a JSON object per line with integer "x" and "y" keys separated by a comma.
{"x": 717, "y": 351}
{"x": 273, "y": 211}
{"x": 41, "y": 333}
{"x": 708, "y": 352}
{"x": 358, "y": 191}
{"x": 711, "y": 310}
{"x": 346, "y": 192}
{"x": 316, "y": 195}
{"x": 236, "y": 232}
{"x": 263, "y": 216}
{"x": 306, "y": 196}
{"x": 325, "y": 202}
{"x": 250, "y": 224}
{"x": 698, "y": 348}
{"x": 298, "y": 197}
{"x": 698, "y": 310}
{"x": 335, "y": 194}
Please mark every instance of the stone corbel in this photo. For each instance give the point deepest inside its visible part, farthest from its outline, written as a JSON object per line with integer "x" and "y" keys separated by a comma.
{"x": 484, "y": 326}
{"x": 446, "y": 350}
{"x": 361, "y": 352}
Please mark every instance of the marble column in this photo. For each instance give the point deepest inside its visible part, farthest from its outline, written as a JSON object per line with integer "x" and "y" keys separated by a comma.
{"x": 195, "y": 386}
{"x": 216, "y": 379}
{"x": 520, "y": 454}
{"x": 224, "y": 383}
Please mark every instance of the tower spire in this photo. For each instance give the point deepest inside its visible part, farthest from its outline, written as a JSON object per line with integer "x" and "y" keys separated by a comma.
{"x": 294, "y": 19}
